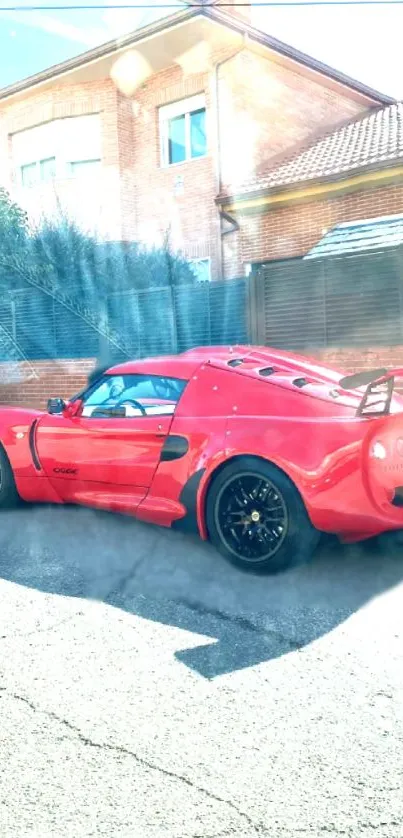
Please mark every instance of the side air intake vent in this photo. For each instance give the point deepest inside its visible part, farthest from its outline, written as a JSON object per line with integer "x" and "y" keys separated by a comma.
{"x": 398, "y": 496}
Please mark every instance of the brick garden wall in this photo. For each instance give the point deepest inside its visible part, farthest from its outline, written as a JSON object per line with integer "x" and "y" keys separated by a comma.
{"x": 55, "y": 378}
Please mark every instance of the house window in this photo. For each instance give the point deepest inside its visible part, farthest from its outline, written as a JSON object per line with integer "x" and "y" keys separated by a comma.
{"x": 77, "y": 168}
{"x": 183, "y": 131}
{"x": 47, "y": 169}
{"x": 58, "y": 149}
{"x": 198, "y": 133}
{"x": 29, "y": 174}
{"x": 201, "y": 269}
{"x": 41, "y": 171}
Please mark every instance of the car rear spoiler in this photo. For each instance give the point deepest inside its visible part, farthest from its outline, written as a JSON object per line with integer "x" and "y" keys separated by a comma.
{"x": 379, "y": 385}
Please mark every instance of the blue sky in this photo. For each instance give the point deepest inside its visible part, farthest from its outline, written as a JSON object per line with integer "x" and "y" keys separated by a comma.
{"x": 363, "y": 41}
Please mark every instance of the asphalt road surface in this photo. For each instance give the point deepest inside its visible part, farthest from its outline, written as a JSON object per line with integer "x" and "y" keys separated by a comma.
{"x": 148, "y": 690}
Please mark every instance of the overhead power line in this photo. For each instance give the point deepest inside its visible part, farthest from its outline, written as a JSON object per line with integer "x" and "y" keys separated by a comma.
{"x": 221, "y": 5}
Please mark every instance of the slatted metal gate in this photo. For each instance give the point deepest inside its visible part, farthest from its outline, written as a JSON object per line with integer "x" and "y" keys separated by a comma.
{"x": 354, "y": 301}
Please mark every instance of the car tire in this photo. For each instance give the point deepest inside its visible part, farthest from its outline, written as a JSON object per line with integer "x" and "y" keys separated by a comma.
{"x": 256, "y": 518}
{"x": 8, "y": 491}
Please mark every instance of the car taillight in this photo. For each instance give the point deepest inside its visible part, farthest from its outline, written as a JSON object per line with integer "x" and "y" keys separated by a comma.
{"x": 383, "y": 462}
{"x": 378, "y": 451}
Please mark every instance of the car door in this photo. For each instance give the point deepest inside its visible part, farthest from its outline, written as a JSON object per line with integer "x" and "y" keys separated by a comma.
{"x": 107, "y": 454}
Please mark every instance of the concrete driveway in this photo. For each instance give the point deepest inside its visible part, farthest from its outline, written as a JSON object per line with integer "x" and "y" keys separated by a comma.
{"x": 149, "y": 690}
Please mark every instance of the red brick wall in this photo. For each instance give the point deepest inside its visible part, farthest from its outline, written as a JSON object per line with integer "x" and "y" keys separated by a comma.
{"x": 65, "y": 378}
{"x": 192, "y": 216}
{"x": 54, "y": 378}
{"x": 294, "y": 229}
{"x": 353, "y": 359}
{"x": 126, "y": 151}
{"x": 267, "y": 109}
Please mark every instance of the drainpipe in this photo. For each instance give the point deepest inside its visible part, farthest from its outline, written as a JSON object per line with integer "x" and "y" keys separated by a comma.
{"x": 217, "y": 68}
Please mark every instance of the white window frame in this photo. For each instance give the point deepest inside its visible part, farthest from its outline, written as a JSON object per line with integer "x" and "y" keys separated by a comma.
{"x": 205, "y": 260}
{"x": 184, "y": 107}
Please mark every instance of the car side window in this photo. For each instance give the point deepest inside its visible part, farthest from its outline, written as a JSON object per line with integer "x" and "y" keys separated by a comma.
{"x": 126, "y": 396}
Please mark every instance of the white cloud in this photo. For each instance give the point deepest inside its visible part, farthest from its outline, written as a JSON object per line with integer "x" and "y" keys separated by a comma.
{"x": 88, "y": 37}
{"x": 89, "y": 28}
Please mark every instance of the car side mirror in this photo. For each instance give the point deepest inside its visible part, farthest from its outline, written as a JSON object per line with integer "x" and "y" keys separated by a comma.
{"x": 56, "y": 406}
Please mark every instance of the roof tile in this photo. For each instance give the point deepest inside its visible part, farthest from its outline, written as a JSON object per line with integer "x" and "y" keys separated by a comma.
{"x": 376, "y": 138}
{"x": 354, "y": 236}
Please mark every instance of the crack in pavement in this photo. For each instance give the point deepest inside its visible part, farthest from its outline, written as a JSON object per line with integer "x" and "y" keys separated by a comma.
{"x": 226, "y": 834}
{"x": 119, "y": 589}
{"x": 229, "y": 831}
{"x": 334, "y": 830}
{"x": 243, "y": 622}
{"x": 45, "y": 630}
{"x": 381, "y": 825}
{"x": 258, "y": 828}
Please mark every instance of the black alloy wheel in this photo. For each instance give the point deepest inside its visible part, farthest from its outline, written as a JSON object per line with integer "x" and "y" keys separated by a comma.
{"x": 251, "y": 517}
{"x": 256, "y": 517}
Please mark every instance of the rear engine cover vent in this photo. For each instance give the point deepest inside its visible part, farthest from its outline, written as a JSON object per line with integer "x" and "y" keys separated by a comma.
{"x": 236, "y": 362}
{"x": 267, "y": 371}
{"x": 300, "y": 382}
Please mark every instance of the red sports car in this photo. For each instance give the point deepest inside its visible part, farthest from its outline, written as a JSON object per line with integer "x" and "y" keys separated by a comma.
{"x": 255, "y": 449}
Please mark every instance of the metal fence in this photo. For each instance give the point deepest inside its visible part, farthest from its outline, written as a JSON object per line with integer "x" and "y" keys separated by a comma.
{"x": 349, "y": 301}
{"x": 153, "y": 321}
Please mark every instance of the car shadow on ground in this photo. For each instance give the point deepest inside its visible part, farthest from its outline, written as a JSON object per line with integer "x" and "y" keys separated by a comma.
{"x": 177, "y": 580}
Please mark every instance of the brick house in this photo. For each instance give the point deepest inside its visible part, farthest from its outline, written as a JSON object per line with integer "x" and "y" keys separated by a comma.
{"x": 142, "y": 134}
{"x": 354, "y": 172}
{"x": 181, "y": 126}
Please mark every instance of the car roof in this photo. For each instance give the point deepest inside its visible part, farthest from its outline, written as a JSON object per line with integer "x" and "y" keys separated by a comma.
{"x": 182, "y": 365}
{"x": 245, "y": 359}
